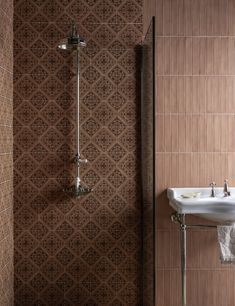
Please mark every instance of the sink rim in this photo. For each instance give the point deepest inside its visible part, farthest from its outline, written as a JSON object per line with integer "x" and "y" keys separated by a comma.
{"x": 219, "y": 209}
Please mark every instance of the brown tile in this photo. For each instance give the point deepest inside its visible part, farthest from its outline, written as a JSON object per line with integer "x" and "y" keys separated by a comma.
{"x": 167, "y": 17}
{"x": 168, "y": 292}
{"x": 230, "y": 170}
{"x": 167, "y": 134}
{"x": 158, "y": 10}
{"x": 210, "y": 295}
{"x": 44, "y": 144}
{"x": 148, "y": 10}
{"x": 163, "y": 212}
{"x": 168, "y": 256}
{"x": 193, "y": 291}
{"x": 194, "y": 109}
{"x": 160, "y": 95}
{"x": 231, "y": 9}
{"x": 161, "y": 135}
{"x": 175, "y": 133}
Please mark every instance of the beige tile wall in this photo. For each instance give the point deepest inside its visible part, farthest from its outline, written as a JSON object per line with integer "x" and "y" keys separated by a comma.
{"x": 195, "y": 80}
{"x": 6, "y": 153}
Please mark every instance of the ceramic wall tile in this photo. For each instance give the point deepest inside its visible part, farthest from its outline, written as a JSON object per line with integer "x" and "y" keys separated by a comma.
{"x": 6, "y": 153}
{"x": 86, "y": 251}
{"x": 194, "y": 110}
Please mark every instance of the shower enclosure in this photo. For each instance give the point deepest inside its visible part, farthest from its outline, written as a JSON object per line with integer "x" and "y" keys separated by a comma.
{"x": 148, "y": 165}
{"x": 69, "y": 251}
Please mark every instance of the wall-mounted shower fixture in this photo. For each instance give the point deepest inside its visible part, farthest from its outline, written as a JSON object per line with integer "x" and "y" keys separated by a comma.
{"x": 74, "y": 43}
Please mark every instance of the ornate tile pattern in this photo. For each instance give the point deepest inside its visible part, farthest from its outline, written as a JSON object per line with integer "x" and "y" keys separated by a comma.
{"x": 6, "y": 153}
{"x": 82, "y": 252}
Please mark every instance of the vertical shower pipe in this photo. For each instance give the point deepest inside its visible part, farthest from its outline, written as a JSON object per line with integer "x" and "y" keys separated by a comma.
{"x": 74, "y": 42}
{"x": 78, "y": 120}
{"x": 78, "y": 159}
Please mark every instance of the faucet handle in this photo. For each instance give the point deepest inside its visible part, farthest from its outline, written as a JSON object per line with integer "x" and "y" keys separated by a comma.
{"x": 79, "y": 161}
{"x": 212, "y": 185}
{"x": 226, "y": 191}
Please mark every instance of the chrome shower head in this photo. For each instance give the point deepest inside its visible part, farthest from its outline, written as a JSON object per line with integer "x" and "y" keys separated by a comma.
{"x": 74, "y": 42}
{"x": 77, "y": 191}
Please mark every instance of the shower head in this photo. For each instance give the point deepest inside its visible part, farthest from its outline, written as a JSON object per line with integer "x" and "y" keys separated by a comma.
{"x": 77, "y": 191}
{"x": 74, "y": 42}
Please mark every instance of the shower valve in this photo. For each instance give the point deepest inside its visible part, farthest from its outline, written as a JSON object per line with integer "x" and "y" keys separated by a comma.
{"x": 82, "y": 161}
{"x": 78, "y": 160}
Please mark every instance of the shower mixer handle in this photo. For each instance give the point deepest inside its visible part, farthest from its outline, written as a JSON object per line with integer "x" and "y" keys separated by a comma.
{"x": 79, "y": 161}
{"x": 82, "y": 161}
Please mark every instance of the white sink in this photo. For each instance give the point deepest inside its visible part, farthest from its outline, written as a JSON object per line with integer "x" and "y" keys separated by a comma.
{"x": 220, "y": 209}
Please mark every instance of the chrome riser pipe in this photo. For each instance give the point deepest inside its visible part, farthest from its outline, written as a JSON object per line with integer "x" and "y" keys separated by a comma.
{"x": 183, "y": 261}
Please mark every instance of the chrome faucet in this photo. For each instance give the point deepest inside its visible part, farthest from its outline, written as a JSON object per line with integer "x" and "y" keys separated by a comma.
{"x": 226, "y": 191}
{"x": 212, "y": 185}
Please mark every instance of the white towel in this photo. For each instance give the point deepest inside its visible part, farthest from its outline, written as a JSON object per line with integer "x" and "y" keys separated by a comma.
{"x": 226, "y": 238}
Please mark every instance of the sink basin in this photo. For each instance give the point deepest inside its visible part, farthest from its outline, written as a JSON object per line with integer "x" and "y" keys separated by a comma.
{"x": 220, "y": 209}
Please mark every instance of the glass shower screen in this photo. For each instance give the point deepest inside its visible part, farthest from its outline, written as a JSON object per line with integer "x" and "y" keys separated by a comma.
{"x": 148, "y": 165}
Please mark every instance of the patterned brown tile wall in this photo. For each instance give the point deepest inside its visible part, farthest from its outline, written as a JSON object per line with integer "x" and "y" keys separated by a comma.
{"x": 86, "y": 251}
{"x": 6, "y": 153}
{"x": 195, "y": 135}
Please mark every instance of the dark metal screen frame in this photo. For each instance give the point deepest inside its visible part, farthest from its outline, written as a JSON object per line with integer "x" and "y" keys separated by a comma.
{"x": 153, "y": 25}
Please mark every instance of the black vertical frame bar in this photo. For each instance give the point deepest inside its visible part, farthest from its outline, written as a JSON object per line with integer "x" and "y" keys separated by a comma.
{"x": 153, "y": 25}
{"x": 142, "y": 203}
{"x": 154, "y": 161}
